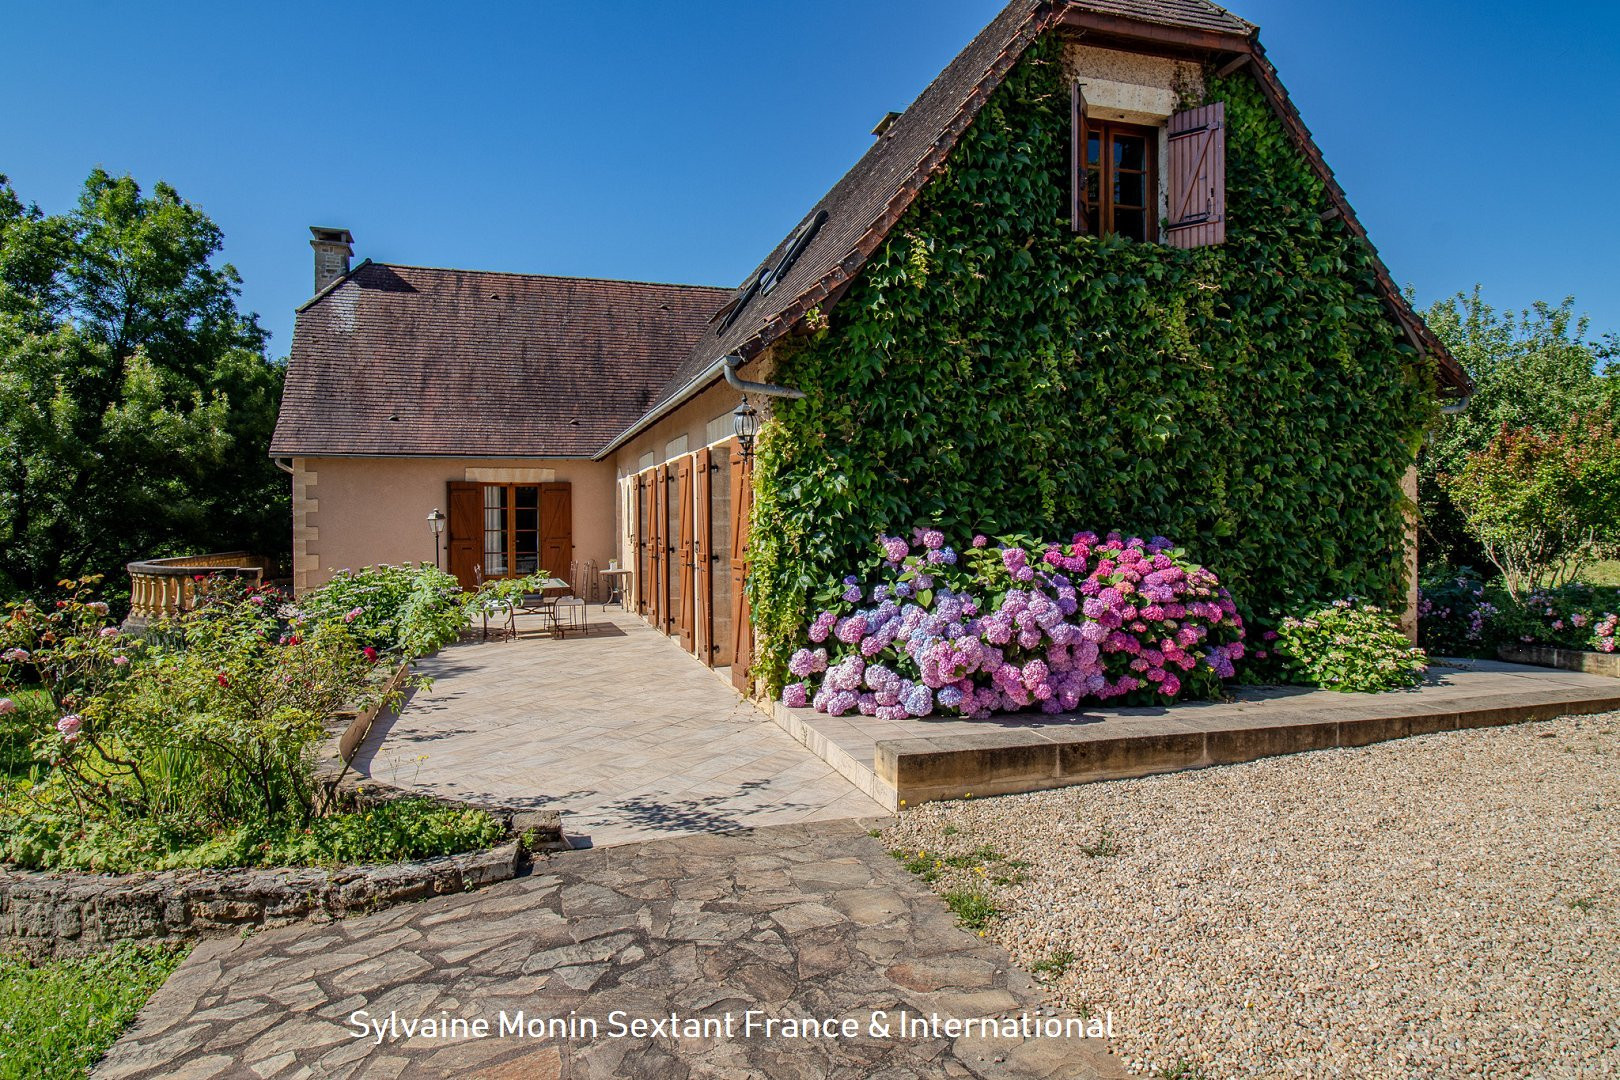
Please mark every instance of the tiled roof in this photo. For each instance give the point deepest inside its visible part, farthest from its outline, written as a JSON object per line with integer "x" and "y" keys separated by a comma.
{"x": 866, "y": 202}
{"x": 404, "y": 360}
{"x": 1194, "y": 14}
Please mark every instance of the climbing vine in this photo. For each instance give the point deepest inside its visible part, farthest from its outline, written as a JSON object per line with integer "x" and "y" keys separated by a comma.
{"x": 990, "y": 371}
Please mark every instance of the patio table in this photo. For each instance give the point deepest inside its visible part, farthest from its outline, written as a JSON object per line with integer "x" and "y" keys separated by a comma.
{"x": 618, "y": 581}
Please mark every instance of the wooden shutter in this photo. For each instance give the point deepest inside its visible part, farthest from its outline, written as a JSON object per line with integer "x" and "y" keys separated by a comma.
{"x": 660, "y": 547}
{"x": 701, "y": 531}
{"x": 742, "y": 629}
{"x": 465, "y": 530}
{"x": 1077, "y": 161}
{"x": 556, "y": 529}
{"x": 643, "y": 546}
{"x": 1197, "y": 177}
{"x": 683, "y": 556}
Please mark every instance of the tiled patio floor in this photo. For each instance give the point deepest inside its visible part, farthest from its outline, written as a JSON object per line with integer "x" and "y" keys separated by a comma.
{"x": 622, "y": 731}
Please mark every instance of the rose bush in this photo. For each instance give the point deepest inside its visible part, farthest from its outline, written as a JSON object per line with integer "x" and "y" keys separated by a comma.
{"x": 1013, "y": 625}
{"x": 193, "y": 747}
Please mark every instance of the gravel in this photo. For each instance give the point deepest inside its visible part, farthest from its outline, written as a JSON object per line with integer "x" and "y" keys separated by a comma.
{"x": 1437, "y": 906}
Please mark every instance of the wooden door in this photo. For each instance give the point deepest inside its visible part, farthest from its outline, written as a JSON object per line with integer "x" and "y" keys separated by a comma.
{"x": 465, "y": 530}
{"x": 742, "y": 629}
{"x": 556, "y": 528}
{"x": 684, "y": 561}
{"x": 660, "y": 546}
{"x": 703, "y": 630}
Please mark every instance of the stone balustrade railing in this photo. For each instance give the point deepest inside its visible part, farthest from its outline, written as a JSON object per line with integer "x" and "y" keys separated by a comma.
{"x": 162, "y": 587}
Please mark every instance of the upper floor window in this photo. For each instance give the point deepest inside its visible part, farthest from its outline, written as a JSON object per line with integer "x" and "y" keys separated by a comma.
{"x": 1122, "y": 184}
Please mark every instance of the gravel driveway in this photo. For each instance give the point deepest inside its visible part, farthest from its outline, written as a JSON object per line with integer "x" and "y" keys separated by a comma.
{"x": 1437, "y": 906}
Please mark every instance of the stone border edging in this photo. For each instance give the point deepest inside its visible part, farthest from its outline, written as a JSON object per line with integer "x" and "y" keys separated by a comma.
{"x": 47, "y": 914}
{"x": 1593, "y": 663}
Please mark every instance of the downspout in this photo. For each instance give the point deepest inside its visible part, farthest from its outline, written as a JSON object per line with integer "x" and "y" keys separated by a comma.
{"x": 734, "y": 362}
{"x": 284, "y": 464}
{"x": 1457, "y": 406}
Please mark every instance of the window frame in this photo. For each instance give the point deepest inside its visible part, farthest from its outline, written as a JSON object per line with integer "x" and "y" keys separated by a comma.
{"x": 509, "y": 528}
{"x": 1099, "y": 216}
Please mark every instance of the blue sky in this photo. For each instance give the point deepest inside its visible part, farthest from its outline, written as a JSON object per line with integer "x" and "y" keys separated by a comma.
{"x": 678, "y": 142}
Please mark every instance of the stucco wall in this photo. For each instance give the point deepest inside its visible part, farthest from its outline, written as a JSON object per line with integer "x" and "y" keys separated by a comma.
{"x": 353, "y": 512}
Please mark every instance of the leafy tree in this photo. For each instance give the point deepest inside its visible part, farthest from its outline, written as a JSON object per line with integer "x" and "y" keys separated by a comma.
{"x": 136, "y": 400}
{"x": 1531, "y": 371}
{"x": 1543, "y": 505}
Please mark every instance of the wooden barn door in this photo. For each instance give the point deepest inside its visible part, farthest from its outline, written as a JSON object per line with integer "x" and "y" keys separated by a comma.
{"x": 742, "y": 629}
{"x": 703, "y": 631}
{"x": 684, "y": 563}
{"x": 465, "y": 530}
{"x": 556, "y": 529}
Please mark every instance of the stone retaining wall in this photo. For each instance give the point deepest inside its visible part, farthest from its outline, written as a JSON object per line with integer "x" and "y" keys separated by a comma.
{"x": 70, "y": 914}
{"x": 1593, "y": 663}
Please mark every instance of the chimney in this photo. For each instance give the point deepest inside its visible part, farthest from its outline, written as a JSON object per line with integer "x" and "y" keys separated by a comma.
{"x": 333, "y": 250}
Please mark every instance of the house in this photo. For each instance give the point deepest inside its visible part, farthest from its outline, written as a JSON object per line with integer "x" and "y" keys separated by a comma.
{"x": 1097, "y": 274}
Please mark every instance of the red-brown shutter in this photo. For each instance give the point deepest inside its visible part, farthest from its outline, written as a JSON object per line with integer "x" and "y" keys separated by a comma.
{"x": 465, "y": 529}
{"x": 1077, "y": 161}
{"x": 701, "y": 532}
{"x": 742, "y": 627}
{"x": 683, "y": 555}
{"x": 1197, "y": 177}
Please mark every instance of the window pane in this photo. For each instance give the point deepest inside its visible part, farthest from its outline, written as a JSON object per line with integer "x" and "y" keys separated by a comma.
{"x": 1131, "y": 223}
{"x": 527, "y": 519}
{"x": 1128, "y": 189}
{"x": 528, "y": 495}
{"x": 1093, "y": 182}
{"x": 1130, "y": 151}
{"x": 495, "y": 531}
{"x": 1093, "y": 148}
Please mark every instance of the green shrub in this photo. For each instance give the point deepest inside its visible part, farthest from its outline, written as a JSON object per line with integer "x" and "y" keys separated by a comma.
{"x": 1457, "y": 613}
{"x": 58, "y": 1017}
{"x": 1349, "y": 647}
{"x": 1572, "y": 616}
{"x": 410, "y": 610}
{"x": 1543, "y": 505}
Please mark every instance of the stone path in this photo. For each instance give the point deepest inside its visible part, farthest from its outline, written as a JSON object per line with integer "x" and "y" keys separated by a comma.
{"x": 796, "y": 921}
{"x": 620, "y": 730}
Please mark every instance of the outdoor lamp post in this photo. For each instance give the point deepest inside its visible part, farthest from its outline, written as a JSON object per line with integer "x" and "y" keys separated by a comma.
{"x": 745, "y": 425}
{"x": 436, "y": 523}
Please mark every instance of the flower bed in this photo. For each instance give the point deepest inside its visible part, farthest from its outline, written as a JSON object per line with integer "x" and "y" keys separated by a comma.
{"x": 1015, "y": 625}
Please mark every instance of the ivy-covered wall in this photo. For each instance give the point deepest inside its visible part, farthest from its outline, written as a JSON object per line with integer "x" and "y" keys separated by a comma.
{"x": 991, "y": 371}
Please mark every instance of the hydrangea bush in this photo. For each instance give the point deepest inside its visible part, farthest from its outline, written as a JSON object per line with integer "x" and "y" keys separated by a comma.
{"x": 1013, "y": 625}
{"x": 1575, "y": 616}
{"x": 1349, "y": 646}
{"x": 1456, "y": 613}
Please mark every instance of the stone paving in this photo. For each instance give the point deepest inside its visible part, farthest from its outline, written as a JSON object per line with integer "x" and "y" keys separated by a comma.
{"x": 795, "y": 921}
{"x": 627, "y": 735}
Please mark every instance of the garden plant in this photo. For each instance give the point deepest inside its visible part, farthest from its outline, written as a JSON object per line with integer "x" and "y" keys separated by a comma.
{"x": 195, "y": 744}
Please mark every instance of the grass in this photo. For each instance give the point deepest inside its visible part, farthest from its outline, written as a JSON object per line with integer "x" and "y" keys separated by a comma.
{"x": 1053, "y": 966}
{"x": 1584, "y": 904}
{"x": 389, "y": 832}
{"x": 1105, "y": 847}
{"x": 58, "y": 1017}
{"x": 1182, "y": 1070}
{"x": 973, "y": 909}
{"x": 1606, "y": 572}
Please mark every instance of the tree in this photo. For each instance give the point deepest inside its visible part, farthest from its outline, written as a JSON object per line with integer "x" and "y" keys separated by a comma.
{"x": 136, "y": 400}
{"x": 1531, "y": 371}
{"x": 1540, "y": 505}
